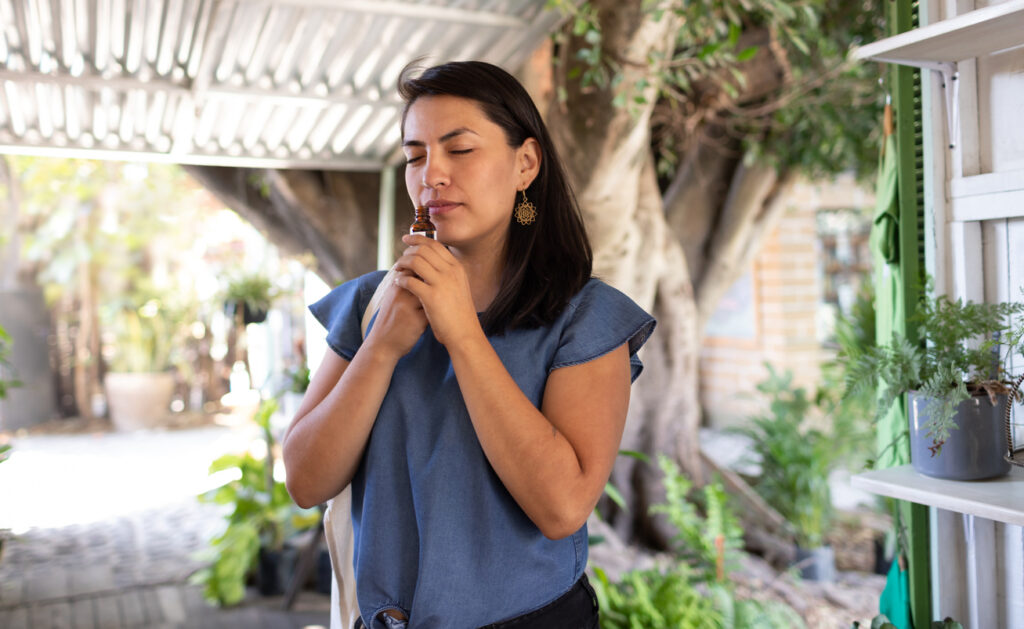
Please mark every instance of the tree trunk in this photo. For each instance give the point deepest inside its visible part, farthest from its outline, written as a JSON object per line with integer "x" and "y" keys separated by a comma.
{"x": 675, "y": 254}
{"x": 331, "y": 215}
{"x": 607, "y": 152}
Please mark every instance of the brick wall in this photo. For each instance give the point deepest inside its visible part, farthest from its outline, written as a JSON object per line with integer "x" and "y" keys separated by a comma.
{"x": 784, "y": 288}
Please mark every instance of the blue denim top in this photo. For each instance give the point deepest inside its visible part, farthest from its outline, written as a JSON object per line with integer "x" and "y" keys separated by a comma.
{"x": 437, "y": 535}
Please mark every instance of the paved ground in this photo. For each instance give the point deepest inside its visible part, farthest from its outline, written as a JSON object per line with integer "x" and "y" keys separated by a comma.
{"x": 104, "y": 531}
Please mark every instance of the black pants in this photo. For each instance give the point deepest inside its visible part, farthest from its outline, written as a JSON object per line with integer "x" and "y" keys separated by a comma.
{"x": 576, "y": 609}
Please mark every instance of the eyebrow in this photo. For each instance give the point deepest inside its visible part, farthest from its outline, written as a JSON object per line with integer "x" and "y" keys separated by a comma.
{"x": 444, "y": 138}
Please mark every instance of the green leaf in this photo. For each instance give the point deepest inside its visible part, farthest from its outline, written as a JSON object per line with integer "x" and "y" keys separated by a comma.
{"x": 747, "y": 54}
{"x": 639, "y": 456}
{"x": 615, "y": 496}
{"x": 734, "y": 34}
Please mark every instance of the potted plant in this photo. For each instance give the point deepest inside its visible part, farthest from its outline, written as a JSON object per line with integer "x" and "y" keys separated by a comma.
{"x": 956, "y": 384}
{"x": 139, "y": 382}
{"x": 795, "y": 460}
{"x": 251, "y": 295}
{"x": 262, "y": 520}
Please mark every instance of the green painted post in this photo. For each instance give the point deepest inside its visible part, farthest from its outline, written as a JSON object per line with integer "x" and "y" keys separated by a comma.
{"x": 906, "y": 98}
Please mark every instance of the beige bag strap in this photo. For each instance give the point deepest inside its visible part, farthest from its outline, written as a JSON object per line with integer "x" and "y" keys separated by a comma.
{"x": 338, "y": 517}
{"x": 374, "y": 305}
{"x": 341, "y": 546}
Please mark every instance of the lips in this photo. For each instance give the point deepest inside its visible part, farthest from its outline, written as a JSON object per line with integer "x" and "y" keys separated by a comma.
{"x": 437, "y": 207}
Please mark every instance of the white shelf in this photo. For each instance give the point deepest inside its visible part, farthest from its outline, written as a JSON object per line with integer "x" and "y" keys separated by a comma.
{"x": 1000, "y": 499}
{"x": 973, "y": 34}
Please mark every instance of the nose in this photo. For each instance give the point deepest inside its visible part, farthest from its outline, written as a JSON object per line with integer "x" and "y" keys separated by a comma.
{"x": 435, "y": 173}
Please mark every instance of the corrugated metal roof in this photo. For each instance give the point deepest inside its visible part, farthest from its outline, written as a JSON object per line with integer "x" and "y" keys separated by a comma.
{"x": 260, "y": 83}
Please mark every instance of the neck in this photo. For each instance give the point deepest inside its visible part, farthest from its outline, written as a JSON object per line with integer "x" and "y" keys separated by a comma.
{"x": 483, "y": 270}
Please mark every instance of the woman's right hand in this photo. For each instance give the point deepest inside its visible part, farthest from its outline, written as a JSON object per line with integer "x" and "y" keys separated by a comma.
{"x": 400, "y": 322}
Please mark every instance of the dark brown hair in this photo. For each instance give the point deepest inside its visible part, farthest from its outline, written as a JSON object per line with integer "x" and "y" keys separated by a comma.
{"x": 548, "y": 262}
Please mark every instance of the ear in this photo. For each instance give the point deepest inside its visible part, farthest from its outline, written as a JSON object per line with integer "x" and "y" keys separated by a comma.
{"x": 528, "y": 158}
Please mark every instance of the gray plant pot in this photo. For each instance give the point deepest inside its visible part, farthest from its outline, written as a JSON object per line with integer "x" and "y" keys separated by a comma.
{"x": 974, "y": 451}
{"x": 816, "y": 564}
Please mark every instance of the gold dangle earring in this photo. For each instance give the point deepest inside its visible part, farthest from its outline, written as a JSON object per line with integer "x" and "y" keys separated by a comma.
{"x": 526, "y": 212}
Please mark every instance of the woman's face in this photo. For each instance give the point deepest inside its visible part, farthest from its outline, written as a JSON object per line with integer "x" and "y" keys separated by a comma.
{"x": 460, "y": 165}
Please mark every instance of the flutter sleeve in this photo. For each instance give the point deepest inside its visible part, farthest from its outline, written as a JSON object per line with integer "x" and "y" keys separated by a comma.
{"x": 602, "y": 318}
{"x": 341, "y": 313}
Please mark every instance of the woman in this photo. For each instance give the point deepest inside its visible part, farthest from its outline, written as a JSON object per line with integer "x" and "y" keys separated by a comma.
{"x": 479, "y": 418}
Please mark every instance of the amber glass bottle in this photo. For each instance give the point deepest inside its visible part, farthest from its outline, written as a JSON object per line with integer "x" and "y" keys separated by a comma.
{"x": 423, "y": 225}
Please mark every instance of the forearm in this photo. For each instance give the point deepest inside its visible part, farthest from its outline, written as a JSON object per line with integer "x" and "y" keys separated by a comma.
{"x": 325, "y": 443}
{"x": 536, "y": 462}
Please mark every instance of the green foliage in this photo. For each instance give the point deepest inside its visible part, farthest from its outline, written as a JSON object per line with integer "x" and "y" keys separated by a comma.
{"x": 748, "y": 613}
{"x": 297, "y": 379}
{"x": 650, "y": 599}
{"x": 672, "y": 599}
{"x": 691, "y": 593}
{"x": 263, "y": 516}
{"x": 963, "y": 351}
{"x": 5, "y": 452}
{"x": 231, "y": 557}
{"x": 795, "y": 459}
{"x": 143, "y": 337}
{"x": 850, "y": 415}
{"x": 822, "y": 119}
{"x": 699, "y": 538}
{"x": 254, "y": 290}
{"x": 612, "y": 492}
{"x": 5, "y": 363}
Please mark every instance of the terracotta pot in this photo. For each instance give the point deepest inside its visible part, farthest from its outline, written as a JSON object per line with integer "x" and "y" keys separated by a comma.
{"x": 138, "y": 400}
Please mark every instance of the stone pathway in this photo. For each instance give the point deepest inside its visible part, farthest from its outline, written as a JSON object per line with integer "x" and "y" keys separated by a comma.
{"x": 126, "y": 561}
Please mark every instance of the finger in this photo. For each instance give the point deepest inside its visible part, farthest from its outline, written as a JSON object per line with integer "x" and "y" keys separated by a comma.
{"x": 411, "y": 283}
{"x": 438, "y": 259}
{"x": 418, "y": 265}
{"x": 422, "y": 243}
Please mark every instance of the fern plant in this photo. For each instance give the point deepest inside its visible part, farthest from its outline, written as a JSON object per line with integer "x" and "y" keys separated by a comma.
{"x": 709, "y": 544}
{"x": 673, "y": 599}
{"x": 963, "y": 350}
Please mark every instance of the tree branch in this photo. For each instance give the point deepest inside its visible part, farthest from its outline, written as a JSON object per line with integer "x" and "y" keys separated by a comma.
{"x": 750, "y": 211}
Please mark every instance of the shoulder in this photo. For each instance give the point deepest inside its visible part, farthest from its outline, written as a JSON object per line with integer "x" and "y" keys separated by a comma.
{"x": 596, "y": 291}
{"x": 598, "y": 319}
{"x": 340, "y": 311}
{"x": 600, "y": 302}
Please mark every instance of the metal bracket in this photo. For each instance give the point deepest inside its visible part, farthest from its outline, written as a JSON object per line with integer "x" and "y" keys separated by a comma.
{"x": 950, "y": 86}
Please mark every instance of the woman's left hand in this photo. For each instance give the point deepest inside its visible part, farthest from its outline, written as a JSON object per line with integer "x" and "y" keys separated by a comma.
{"x": 430, "y": 272}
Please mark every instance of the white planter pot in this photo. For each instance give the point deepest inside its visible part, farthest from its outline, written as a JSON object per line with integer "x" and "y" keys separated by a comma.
{"x": 138, "y": 400}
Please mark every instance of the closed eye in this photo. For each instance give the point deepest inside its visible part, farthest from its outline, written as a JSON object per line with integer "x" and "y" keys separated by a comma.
{"x": 413, "y": 160}
{"x": 460, "y": 151}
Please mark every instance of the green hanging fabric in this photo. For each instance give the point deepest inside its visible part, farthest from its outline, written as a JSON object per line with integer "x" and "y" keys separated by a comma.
{"x": 889, "y": 312}
{"x": 890, "y": 319}
{"x": 895, "y": 599}
{"x": 885, "y": 232}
